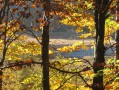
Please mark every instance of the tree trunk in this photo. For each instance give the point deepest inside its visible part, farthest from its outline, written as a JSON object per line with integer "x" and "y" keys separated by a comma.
{"x": 2, "y": 15}
{"x": 45, "y": 45}
{"x": 117, "y": 45}
{"x": 1, "y": 73}
{"x": 45, "y": 58}
{"x": 117, "y": 35}
{"x": 98, "y": 65}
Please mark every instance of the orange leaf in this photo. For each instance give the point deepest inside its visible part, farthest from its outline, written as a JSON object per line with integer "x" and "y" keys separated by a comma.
{"x": 40, "y": 20}
{"x": 28, "y": 61}
{"x": 14, "y": 10}
{"x": 22, "y": 12}
{"x": 109, "y": 87}
{"x": 34, "y": 5}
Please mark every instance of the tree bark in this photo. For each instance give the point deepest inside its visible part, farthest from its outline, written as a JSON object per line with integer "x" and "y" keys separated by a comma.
{"x": 45, "y": 45}
{"x": 117, "y": 34}
{"x": 2, "y": 15}
{"x": 98, "y": 65}
{"x": 117, "y": 45}
{"x": 1, "y": 73}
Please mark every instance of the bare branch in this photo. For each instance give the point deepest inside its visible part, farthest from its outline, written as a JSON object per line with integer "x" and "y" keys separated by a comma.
{"x": 61, "y": 85}
{"x": 35, "y": 36}
{"x": 111, "y": 80}
{"x": 69, "y": 72}
{"x": 10, "y": 65}
{"x": 84, "y": 80}
{"x": 112, "y": 46}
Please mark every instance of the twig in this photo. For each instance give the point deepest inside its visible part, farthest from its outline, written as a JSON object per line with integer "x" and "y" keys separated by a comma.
{"x": 32, "y": 33}
{"x": 111, "y": 80}
{"x": 84, "y": 80}
{"x": 69, "y": 72}
{"x": 111, "y": 46}
{"x": 61, "y": 85}
{"x": 85, "y": 60}
{"x": 19, "y": 64}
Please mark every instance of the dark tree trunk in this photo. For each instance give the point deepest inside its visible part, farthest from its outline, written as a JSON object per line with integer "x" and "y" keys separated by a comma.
{"x": 1, "y": 64}
{"x": 99, "y": 58}
{"x": 45, "y": 57}
{"x": 1, "y": 73}
{"x": 2, "y": 15}
{"x": 117, "y": 34}
{"x": 45, "y": 45}
{"x": 98, "y": 65}
{"x": 117, "y": 45}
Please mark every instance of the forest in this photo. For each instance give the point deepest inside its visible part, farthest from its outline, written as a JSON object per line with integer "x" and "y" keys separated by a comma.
{"x": 59, "y": 44}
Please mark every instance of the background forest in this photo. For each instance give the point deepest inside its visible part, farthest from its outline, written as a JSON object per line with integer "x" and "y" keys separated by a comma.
{"x": 59, "y": 45}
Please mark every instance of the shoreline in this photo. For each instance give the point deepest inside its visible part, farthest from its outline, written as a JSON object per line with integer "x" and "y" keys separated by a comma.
{"x": 64, "y": 42}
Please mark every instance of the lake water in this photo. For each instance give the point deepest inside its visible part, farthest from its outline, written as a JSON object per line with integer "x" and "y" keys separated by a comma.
{"x": 82, "y": 53}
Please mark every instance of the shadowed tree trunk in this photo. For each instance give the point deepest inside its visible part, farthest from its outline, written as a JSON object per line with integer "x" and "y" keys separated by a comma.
{"x": 1, "y": 73}
{"x": 45, "y": 44}
{"x": 117, "y": 45}
{"x": 98, "y": 66}
{"x": 117, "y": 34}
{"x": 3, "y": 12}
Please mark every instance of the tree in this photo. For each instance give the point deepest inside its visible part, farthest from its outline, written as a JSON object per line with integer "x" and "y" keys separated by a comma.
{"x": 117, "y": 34}
{"x": 10, "y": 35}
{"x": 2, "y": 15}
{"x": 11, "y": 8}
{"x": 10, "y": 27}
{"x": 45, "y": 44}
{"x": 101, "y": 9}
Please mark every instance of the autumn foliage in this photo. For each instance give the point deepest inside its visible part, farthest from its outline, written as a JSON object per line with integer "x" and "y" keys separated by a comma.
{"x": 29, "y": 62}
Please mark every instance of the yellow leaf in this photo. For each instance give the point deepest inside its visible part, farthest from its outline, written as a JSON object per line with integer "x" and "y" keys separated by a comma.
{"x": 85, "y": 47}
